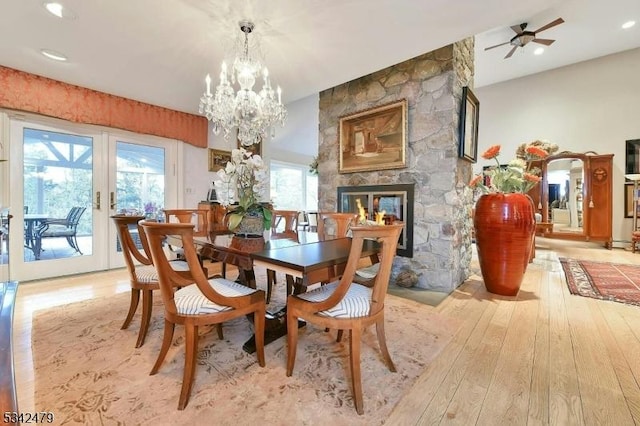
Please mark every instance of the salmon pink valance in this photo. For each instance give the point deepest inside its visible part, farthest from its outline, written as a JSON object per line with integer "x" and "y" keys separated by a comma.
{"x": 28, "y": 92}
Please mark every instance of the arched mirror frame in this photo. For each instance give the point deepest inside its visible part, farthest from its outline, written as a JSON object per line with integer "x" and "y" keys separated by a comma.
{"x": 544, "y": 195}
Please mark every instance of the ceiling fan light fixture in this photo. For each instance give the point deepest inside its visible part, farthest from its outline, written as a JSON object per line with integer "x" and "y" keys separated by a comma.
{"x": 628, "y": 25}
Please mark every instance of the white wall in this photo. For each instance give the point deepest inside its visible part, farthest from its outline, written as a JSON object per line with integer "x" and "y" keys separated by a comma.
{"x": 589, "y": 106}
{"x": 296, "y": 142}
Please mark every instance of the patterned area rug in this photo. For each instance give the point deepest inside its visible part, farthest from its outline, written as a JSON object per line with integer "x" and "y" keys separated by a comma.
{"x": 87, "y": 370}
{"x": 600, "y": 280}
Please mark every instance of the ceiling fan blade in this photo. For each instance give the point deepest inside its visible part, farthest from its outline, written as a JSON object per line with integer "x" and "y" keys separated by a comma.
{"x": 544, "y": 41}
{"x": 497, "y": 45}
{"x": 549, "y": 25}
{"x": 518, "y": 29}
{"x": 511, "y": 52}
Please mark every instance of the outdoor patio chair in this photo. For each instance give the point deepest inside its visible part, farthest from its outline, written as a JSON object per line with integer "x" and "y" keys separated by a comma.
{"x": 60, "y": 228}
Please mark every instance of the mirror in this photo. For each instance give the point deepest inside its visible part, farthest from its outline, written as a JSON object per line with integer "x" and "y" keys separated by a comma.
{"x": 565, "y": 193}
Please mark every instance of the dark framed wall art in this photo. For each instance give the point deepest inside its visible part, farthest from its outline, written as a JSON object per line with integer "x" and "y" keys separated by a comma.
{"x": 468, "y": 131}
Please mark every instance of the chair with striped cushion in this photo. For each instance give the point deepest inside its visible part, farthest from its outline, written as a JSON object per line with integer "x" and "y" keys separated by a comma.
{"x": 142, "y": 274}
{"x": 206, "y": 302}
{"x": 345, "y": 305}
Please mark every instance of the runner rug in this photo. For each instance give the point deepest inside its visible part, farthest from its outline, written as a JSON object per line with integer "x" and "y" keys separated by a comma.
{"x": 87, "y": 370}
{"x": 601, "y": 280}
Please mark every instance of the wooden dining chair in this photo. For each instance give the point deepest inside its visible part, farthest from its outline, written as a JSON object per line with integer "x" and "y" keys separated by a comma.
{"x": 199, "y": 217}
{"x": 345, "y": 305}
{"x": 288, "y": 229}
{"x": 206, "y": 302}
{"x": 201, "y": 220}
{"x": 335, "y": 224}
{"x": 142, "y": 274}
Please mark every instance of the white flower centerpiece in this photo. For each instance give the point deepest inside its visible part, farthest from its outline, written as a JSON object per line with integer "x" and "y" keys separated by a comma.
{"x": 244, "y": 179}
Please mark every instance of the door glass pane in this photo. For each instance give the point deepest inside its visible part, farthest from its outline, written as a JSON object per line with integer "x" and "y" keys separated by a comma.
{"x": 57, "y": 195}
{"x": 140, "y": 185}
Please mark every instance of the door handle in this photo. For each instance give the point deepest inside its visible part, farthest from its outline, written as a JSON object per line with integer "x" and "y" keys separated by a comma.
{"x": 98, "y": 205}
{"x": 112, "y": 200}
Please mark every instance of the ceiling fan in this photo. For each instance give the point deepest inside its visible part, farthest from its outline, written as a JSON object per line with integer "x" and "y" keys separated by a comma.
{"x": 523, "y": 37}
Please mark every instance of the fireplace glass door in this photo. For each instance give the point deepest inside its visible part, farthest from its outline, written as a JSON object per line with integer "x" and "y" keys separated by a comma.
{"x": 396, "y": 201}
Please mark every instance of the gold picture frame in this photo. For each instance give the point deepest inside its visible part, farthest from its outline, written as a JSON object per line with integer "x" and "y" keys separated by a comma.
{"x": 218, "y": 159}
{"x": 628, "y": 200}
{"x": 374, "y": 139}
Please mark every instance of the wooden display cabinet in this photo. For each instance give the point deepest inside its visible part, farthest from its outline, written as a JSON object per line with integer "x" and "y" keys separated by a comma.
{"x": 585, "y": 208}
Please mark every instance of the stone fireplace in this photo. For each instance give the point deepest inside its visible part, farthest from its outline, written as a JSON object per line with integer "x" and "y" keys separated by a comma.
{"x": 432, "y": 83}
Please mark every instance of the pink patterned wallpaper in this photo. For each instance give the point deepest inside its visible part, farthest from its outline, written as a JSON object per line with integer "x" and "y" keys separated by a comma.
{"x": 28, "y": 92}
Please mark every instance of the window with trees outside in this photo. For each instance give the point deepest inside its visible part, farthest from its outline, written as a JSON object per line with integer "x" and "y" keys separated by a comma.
{"x": 293, "y": 187}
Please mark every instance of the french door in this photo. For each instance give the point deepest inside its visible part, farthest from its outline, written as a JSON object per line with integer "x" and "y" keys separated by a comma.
{"x": 66, "y": 169}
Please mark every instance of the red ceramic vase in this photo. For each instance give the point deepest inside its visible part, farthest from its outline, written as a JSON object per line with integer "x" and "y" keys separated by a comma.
{"x": 504, "y": 230}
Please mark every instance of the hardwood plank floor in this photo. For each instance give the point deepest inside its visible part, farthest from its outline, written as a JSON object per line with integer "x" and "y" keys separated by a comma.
{"x": 542, "y": 357}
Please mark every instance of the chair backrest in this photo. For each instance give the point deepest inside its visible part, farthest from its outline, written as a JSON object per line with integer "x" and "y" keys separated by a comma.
{"x": 129, "y": 248}
{"x": 387, "y": 236}
{"x": 290, "y": 218}
{"x": 341, "y": 223}
{"x": 168, "y": 278}
{"x": 198, "y": 217}
{"x": 73, "y": 218}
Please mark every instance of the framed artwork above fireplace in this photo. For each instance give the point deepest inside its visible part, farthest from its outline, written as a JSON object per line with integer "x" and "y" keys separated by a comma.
{"x": 395, "y": 200}
{"x": 374, "y": 139}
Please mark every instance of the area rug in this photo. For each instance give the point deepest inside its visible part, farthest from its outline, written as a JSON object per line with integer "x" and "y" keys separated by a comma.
{"x": 602, "y": 280}
{"x": 87, "y": 370}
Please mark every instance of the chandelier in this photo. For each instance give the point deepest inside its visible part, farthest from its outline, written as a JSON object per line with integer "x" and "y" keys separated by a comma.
{"x": 253, "y": 114}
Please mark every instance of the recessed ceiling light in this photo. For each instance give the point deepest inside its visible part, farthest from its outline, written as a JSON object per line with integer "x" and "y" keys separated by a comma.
{"x": 628, "y": 24}
{"x": 59, "y": 10}
{"x": 538, "y": 51}
{"x": 52, "y": 54}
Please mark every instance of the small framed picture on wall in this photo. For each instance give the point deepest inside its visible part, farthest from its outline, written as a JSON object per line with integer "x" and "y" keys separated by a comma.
{"x": 218, "y": 159}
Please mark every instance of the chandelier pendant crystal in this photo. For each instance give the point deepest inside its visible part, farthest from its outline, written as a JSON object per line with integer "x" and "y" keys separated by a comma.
{"x": 253, "y": 114}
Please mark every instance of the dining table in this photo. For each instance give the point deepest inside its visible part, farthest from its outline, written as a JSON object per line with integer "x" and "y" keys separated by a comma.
{"x": 303, "y": 256}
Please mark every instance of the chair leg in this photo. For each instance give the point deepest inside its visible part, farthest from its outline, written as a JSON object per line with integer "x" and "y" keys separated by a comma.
{"x": 191, "y": 353}
{"x": 147, "y": 306}
{"x": 292, "y": 341}
{"x": 219, "y": 328}
{"x": 224, "y": 270}
{"x": 133, "y": 305}
{"x": 354, "y": 359}
{"x": 271, "y": 280}
{"x": 167, "y": 338}
{"x": 339, "y": 336}
{"x": 258, "y": 324}
{"x": 382, "y": 341}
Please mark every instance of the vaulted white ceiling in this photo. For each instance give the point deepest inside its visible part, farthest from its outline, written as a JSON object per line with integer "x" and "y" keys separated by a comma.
{"x": 158, "y": 51}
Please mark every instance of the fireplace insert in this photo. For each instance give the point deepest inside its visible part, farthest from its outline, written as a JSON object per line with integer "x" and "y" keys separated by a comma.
{"x": 395, "y": 200}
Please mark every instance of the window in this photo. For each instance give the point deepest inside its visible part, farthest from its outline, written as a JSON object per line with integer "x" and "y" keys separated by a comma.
{"x": 292, "y": 187}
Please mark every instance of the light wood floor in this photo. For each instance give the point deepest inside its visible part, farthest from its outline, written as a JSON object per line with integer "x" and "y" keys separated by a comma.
{"x": 543, "y": 357}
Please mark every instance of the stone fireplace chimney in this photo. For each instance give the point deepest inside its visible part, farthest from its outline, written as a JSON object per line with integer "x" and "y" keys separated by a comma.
{"x": 432, "y": 85}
